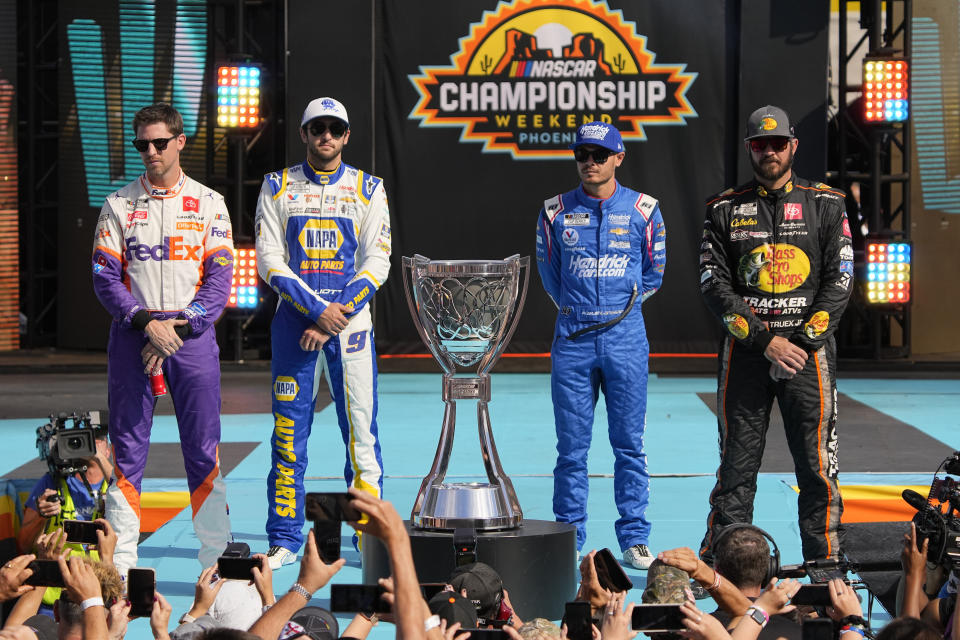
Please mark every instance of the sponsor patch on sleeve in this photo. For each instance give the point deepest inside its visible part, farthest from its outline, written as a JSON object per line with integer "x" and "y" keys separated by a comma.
{"x": 817, "y": 324}
{"x": 195, "y": 310}
{"x": 737, "y": 325}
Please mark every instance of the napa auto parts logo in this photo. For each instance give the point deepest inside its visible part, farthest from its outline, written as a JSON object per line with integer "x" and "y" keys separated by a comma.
{"x": 532, "y": 71}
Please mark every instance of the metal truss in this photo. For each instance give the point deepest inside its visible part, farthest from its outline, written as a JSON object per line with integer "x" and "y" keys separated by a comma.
{"x": 38, "y": 140}
{"x": 873, "y": 167}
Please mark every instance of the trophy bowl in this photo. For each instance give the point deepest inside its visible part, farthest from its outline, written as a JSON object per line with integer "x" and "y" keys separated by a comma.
{"x": 465, "y": 312}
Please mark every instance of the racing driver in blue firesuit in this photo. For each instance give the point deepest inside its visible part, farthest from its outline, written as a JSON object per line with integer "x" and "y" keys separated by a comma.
{"x": 601, "y": 251}
{"x": 323, "y": 244}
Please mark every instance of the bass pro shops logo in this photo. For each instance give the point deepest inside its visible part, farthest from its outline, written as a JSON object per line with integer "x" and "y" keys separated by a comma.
{"x": 531, "y": 72}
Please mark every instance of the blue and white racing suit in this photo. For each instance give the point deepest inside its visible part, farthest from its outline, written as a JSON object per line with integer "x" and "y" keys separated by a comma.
{"x": 322, "y": 237}
{"x": 592, "y": 254}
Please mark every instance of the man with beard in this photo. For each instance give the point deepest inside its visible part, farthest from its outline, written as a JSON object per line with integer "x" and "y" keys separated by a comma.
{"x": 323, "y": 244}
{"x": 776, "y": 267}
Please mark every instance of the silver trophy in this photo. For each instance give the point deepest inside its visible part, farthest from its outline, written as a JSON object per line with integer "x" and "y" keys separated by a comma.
{"x": 466, "y": 311}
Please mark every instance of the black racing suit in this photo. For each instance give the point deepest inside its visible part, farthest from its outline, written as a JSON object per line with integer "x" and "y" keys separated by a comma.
{"x": 777, "y": 263}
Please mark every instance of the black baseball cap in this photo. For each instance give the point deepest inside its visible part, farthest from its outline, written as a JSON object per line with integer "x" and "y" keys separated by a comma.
{"x": 769, "y": 121}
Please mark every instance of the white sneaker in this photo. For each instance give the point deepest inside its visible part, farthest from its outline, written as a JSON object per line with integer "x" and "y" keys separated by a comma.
{"x": 279, "y": 556}
{"x": 638, "y": 556}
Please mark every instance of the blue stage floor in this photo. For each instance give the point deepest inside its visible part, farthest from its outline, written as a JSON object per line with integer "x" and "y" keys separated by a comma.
{"x": 681, "y": 444}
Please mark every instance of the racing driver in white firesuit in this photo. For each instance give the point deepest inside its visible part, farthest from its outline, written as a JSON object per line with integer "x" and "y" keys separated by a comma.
{"x": 323, "y": 244}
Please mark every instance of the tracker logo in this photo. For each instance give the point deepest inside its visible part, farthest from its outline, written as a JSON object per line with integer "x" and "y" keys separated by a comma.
{"x": 172, "y": 248}
{"x": 530, "y": 72}
{"x": 130, "y": 44}
{"x": 607, "y": 266}
{"x": 320, "y": 238}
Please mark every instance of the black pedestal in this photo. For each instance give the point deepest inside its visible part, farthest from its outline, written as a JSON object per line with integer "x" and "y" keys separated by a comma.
{"x": 536, "y": 561}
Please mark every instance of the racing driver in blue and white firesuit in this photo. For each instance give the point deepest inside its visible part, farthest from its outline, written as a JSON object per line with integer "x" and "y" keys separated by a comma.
{"x": 601, "y": 250}
{"x": 323, "y": 244}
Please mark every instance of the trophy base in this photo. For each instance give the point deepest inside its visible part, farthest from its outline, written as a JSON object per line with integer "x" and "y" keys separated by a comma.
{"x": 537, "y": 562}
{"x": 477, "y": 505}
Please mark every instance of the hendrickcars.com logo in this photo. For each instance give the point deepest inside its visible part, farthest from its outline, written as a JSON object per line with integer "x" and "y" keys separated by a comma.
{"x": 532, "y": 71}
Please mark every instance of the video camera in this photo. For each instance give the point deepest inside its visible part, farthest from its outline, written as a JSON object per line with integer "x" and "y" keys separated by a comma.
{"x": 66, "y": 442}
{"x": 819, "y": 571}
{"x": 938, "y": 516}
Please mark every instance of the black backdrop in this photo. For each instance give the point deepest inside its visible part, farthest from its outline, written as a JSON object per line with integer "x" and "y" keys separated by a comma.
{"x": 449, "y": 199}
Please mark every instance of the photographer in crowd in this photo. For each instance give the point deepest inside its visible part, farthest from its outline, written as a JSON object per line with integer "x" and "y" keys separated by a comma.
{"x": 71, "y": 491}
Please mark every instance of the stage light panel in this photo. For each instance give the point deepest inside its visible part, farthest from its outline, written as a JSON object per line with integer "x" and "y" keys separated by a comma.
{"x": 244, "y": 293}
{"x": 888, "y": 272}
{"x": 238, "y": 96}
{"x": 886, "y": 90}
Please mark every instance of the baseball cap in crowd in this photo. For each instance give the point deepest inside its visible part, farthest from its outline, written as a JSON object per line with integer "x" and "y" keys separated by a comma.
{"x": 600, "y": 134}
{"x": 484, "y": 587}
{"x": 237, "y": 605}
{"x": 665, "y": 584}
{"x": 311, "y": 622}
{"x": 43, "y": 626}
{"x": 453, "y": 607}
{"x": 769, "y": 121}
{"x": 324, "y": 107}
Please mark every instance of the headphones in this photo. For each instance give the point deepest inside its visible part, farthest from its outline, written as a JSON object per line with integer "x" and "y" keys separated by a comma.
{"x": 773, "y": 562}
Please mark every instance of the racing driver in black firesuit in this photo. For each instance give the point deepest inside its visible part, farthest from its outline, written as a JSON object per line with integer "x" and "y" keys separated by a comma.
{"x": 776, "y": 267}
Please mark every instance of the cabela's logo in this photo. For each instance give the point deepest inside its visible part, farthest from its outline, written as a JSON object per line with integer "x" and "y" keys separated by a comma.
{"x": 531, "y": 72}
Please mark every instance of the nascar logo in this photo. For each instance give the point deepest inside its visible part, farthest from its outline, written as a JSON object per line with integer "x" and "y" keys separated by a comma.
{"x": 529, "y": 73}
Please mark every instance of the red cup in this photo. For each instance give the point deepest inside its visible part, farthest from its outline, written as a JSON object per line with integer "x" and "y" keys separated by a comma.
{"x": 157, "y": 383}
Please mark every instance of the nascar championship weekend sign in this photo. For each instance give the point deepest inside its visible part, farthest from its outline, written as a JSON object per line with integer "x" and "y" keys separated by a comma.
{"x": 528, "y": 73}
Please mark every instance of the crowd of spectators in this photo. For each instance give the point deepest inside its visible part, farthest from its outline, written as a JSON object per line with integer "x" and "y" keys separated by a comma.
{"x": 749, "y": 602}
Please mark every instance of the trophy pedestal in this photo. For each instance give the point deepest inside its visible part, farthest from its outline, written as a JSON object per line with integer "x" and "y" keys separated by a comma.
{"x": 536, "y": 561}
{"x": 477, "y": 505}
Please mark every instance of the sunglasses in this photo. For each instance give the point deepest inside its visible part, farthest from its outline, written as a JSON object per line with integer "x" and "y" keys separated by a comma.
{"x": 758, "y": 145}
{"x": 599, "y": 155}
{"x": 336, "y": 129}
{"x": 160, "y": 144}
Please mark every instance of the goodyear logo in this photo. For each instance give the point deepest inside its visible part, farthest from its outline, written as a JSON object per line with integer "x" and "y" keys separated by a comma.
{"x": 285, "y": 388}
{"x": 531, "y": 72}
{"x": 775, "y": 268}
{"x": 320, "y": 238}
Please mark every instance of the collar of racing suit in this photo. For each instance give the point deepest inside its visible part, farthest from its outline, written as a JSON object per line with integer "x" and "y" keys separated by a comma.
{"x": 588, "y": 200}
{"x": 776, "y": 194}
{"x": 322, "y": 177}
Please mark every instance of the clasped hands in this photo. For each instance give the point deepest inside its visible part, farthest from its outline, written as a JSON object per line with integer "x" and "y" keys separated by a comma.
{"x": 330, "y": 323}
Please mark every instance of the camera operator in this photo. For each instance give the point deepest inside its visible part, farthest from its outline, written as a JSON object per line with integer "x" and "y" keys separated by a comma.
{"x": 78, "y": 496}
{"x": 939, "y": 612}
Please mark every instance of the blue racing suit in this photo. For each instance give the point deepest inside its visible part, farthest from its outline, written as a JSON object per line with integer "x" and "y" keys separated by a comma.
{"x": 592, "y": 255}
{"x": 322, "y": 237}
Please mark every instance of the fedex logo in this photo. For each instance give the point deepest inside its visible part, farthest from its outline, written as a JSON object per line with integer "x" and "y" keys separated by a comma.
{"x": 172, "y": 248}
{"x": 221, "y": 233}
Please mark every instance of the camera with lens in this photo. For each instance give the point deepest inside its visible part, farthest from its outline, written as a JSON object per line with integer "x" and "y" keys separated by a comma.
{"x": 67, "y": 441}
{"x": 938, "y": 516}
